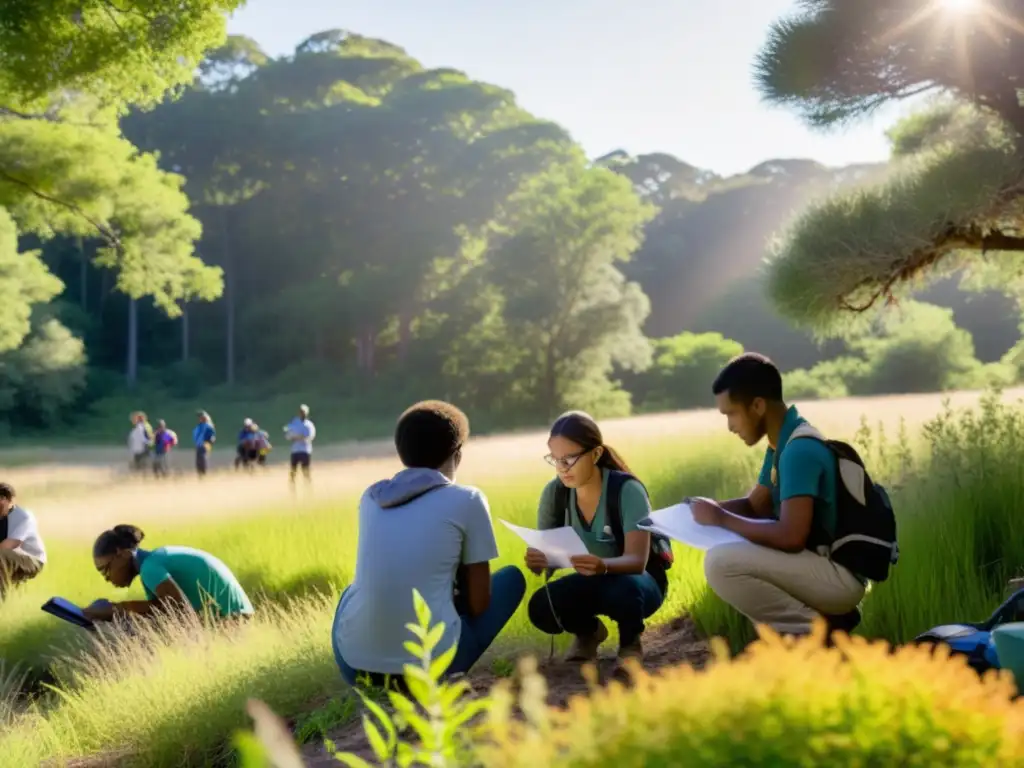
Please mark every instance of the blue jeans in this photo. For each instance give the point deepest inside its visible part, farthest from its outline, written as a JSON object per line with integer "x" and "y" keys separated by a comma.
{"x": 508, "y": 586}
{"x": 573, "y": 603}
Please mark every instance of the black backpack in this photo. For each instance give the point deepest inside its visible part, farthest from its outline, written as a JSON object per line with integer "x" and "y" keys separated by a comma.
{"x": 865, "y": 535}
{"x": 3, "y": 526}
{"x": 660, "y": 558}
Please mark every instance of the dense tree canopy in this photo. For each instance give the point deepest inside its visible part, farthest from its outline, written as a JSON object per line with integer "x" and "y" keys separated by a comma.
{"x": 383, "y": 232}
{"x": 66, "y": 71}
{"x": 957, "y": 194}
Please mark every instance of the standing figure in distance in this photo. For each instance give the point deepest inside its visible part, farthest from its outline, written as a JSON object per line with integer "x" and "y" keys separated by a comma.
{"x": 203, "y": 437}
{"x": 301, "y": 432}
{"x": 140, "y": 440}
{"x": 164, "y": 440}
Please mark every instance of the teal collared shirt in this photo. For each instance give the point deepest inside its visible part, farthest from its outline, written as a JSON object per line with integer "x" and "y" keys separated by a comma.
{"x": 806, "y": 467}
{"x": 204, "y": 579}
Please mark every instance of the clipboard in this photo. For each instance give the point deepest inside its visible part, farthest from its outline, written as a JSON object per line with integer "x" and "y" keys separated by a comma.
{"x": 67, "y": 611}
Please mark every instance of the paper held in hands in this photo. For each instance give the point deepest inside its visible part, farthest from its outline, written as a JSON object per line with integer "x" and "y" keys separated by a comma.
{"x": 557, "y": 544}
{"x": 677, "y": 523}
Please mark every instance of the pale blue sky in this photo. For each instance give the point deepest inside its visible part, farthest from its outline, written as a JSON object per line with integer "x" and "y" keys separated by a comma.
{"x": 641, "y": 75}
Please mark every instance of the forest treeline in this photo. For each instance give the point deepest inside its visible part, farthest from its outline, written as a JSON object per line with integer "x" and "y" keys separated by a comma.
{"x": 342, "y": 224}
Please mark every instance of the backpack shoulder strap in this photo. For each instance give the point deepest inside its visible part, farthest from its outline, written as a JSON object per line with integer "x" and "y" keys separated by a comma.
{"x": 562, "y": 502}
{"x": 613, "y": 506}
{"x": 807, "y": 430}
{"x": 3, "y": 528}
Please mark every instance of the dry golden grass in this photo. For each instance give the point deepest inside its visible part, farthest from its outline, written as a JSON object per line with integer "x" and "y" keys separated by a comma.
{"x": 79, "y": 491}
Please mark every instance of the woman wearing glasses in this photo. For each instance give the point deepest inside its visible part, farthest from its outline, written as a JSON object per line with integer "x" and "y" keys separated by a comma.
{"x": 172, "y": 577}
{"x": 596, "y": 495}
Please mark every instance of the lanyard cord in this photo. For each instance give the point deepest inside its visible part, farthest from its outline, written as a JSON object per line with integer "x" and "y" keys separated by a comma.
{"x": 554, "y": 613}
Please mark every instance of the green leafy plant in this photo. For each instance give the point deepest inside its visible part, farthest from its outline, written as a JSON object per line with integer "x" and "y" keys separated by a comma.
{"x": 436, "y": 711}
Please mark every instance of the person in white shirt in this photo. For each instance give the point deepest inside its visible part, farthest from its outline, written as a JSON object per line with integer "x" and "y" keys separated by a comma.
{"x": 301, "y": 432}
{"x": 139, "y": 442}
{"x": 22, "y": 554}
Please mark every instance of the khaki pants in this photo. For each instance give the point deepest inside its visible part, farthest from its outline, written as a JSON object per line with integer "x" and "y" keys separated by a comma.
{"x": 784, "y": 590}
{"x": 16, "y": 566}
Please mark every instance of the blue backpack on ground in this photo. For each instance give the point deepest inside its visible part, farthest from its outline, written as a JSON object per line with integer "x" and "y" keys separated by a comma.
{"x": 975, "y": 641}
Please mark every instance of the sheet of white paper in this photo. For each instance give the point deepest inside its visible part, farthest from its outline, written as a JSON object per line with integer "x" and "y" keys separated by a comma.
{"x": 559, "y": 544}
{"x": 678, "y": 524}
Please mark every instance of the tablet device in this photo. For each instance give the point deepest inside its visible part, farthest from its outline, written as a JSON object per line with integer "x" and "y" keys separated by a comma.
{"x": 67, "y": 611}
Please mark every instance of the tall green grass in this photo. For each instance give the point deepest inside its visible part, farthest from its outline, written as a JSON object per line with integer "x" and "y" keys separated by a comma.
{"x": 175, "y": 697}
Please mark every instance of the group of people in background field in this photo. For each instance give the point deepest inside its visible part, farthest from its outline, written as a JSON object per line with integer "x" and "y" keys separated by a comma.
{"x": 422, "y": 530}
{"x": 150, "y": 450}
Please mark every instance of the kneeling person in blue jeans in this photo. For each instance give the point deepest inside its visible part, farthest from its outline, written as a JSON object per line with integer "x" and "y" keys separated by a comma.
{"x": 421, "y": 530}
{"x": 611, "y": 580}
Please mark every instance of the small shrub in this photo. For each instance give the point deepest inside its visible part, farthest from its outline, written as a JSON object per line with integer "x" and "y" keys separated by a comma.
{"x": 682, "y": 371}
{"x": 781, "y": 703}
{"x": 439, "y": 714}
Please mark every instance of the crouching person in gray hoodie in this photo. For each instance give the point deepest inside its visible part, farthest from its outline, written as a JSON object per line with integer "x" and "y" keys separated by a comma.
{"x": 421, "y": 530}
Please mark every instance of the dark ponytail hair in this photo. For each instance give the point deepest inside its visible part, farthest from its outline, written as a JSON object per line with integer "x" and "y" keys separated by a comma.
{"x": 581, "y": 428}
{"x": 120, "y": 537}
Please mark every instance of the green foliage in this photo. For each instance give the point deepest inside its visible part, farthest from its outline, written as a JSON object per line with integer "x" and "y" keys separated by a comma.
{"x": 914, "y": 347}
{"x": 438, "y": 713}
{"x": 839, "y": 377}
{"x": 118, "y": 50}
{"x": 569, "y": 313}
{"x": 24, "y": 282}
{"x": 684, "y": 367}
{"x": 956, "y": 505}
{"x": 42, "y": 379}
{"x": 859, "y": 704}
{"x": 851, "y": 248}
{"x": 834, "y": 61}
{"x": 955, "y": 192}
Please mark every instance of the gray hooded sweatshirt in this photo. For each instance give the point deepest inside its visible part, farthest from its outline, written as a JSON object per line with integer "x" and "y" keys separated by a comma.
{"x": 414, "y": 531}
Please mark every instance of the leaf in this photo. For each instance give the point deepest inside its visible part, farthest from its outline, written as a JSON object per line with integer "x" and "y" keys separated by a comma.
{"x": 433, "y": 637}
{"x": 385, "y": 721}
{"x": 415, "y": 649}
{"x": 377, "y": 743}
{"x": 422, "y": 609}
{"x": 274, "y": 735}
{"x": 440, "y": 665}
{"x": 353, "y": 761}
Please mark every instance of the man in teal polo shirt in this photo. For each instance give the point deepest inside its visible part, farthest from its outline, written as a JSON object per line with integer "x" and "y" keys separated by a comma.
{"x": 776, "y": 577}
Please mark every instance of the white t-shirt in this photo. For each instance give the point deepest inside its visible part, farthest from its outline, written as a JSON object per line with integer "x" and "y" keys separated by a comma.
{"x": 137, "y": 441}
{"x": 21, "y": 525}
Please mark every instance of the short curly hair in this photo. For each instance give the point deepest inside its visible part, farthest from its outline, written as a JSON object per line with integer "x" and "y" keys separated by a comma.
{"x": 429, "y": 433}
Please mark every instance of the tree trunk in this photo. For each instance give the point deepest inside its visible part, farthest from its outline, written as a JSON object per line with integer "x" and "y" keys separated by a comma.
{"x": 404, "y": 334}
{"x": 550, "y": 393}
{"x": 83, "y": 276}
{"x": 229, "y": 296}
{"x": 184, "y": 334}
{"x": 365, "y": 351}
{"x": 132, "y": 372}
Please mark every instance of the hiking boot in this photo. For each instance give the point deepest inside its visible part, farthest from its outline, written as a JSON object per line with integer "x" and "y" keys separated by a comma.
{"x": 584, "y": 647}
{"x": 627, "y": 651}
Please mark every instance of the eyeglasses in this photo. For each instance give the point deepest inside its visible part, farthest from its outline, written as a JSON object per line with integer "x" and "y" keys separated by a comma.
{"x": 564, "y": 463}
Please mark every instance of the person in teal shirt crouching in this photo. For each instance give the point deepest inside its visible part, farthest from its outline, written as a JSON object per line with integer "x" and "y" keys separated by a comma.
{"x": 616, "y": 578}
{"x": 172, "y": 577}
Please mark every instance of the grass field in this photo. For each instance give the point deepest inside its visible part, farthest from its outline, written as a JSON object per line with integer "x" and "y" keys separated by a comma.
{"x": 174, "y": 697}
